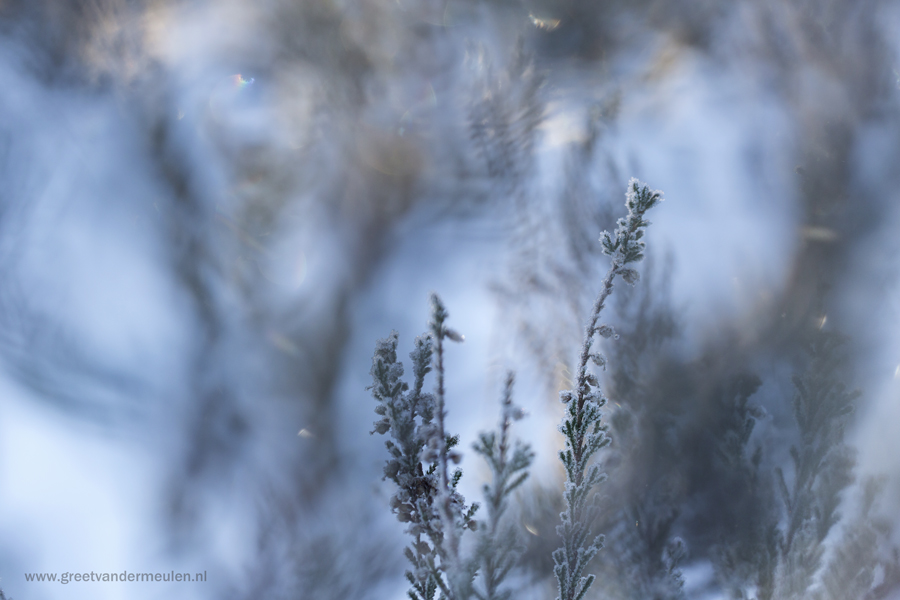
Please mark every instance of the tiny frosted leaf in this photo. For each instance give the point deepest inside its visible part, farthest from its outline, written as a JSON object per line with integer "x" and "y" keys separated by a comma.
{"x": 630, "y": 276}
{"x": 606, "y": 331}
{"x": 599, "y": 360}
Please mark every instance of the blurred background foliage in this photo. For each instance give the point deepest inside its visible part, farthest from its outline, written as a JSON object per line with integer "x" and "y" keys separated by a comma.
{"x": 210, "y": 210}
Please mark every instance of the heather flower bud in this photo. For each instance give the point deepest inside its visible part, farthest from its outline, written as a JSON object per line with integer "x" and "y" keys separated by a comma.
{"x": 597, "y": 398}
{"x": 382, "y": 426}
{"x": 565, "y": 396}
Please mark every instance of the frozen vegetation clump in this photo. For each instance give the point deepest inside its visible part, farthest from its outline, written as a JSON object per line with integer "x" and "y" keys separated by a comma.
{"x": 421, "y": 451}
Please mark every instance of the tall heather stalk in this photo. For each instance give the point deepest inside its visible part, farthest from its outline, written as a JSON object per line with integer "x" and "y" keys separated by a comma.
{"x": 450, "y": 506}
{"x": 582, "y": 426}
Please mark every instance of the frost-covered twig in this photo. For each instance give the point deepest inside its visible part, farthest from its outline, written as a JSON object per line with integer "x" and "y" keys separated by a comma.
{"x": 451, "y": 507}
{"x": 420, "y": 451}
{"x": 585, "y": 433}
{"x": 499, "y": 547}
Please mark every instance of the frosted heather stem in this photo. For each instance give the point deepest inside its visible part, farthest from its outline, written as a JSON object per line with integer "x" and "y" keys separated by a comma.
{"x": 453, "y": 569}
{"x": 419, "y": 454}
{"x": 584, "y": 431}
{"x": 589, "y": 331}
{"x": 439, "y": 374}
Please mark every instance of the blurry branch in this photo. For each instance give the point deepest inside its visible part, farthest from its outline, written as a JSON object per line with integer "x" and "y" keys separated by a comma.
{"x": 38, "y": 349}
{"x": 644, "y": 495}
{"x": 553, "y": 249}
{"x": 505, "y": 115}
{"x": 742, "y": 549}
{"x": 338, "y": 554}
{"x": 652, "y": 554}
{"x": 856, "y": 557}
{"x": 500, "y": 545}
{"x": 823, "y": 465}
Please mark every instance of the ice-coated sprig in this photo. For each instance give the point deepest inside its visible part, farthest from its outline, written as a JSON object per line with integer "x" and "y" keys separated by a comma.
{"x": 420, "y": 451}
{"x": 584, "y": 431}
{"x": 454, "y": 515}
{"x": 407, "y": 416}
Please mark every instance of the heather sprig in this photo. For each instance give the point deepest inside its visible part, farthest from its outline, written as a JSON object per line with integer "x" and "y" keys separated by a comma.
{"x": 420, "y": 453}
{"x": 454, "y": 514}
{"x": 584, "y": 431}
{"x": 500, "y": 546}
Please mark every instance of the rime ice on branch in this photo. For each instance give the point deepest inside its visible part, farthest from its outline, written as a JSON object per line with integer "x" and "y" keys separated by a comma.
{"x": 582, "y": 426}
{"x": 420, "y": 452}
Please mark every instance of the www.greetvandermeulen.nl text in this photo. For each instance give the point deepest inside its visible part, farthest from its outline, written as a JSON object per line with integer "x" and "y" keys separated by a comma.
{"x": 68, "y": 577}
